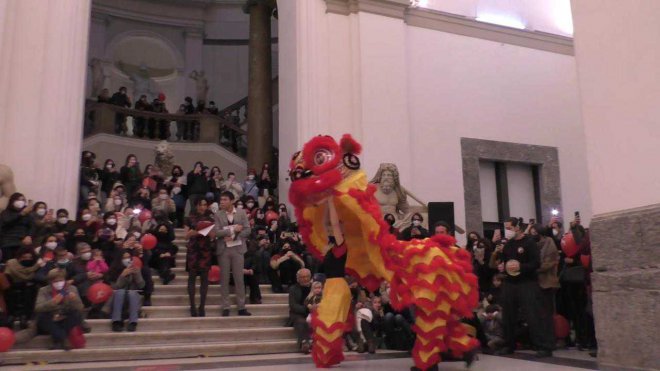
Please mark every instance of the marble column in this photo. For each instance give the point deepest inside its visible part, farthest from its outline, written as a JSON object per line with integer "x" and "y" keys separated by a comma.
{"x": 43, "y": 63}
{"x": 617, "y": 59}
{"x": 260, "y": 109}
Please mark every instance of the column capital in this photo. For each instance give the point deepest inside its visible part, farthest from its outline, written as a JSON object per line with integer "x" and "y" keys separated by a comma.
{"x": 272, "y": 4}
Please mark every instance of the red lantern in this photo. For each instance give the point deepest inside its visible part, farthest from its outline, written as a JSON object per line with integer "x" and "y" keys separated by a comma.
{"x": 161, "y": 97}
{"x": 99, "y": 293}
{"x": 7, "y": 339}
{"x": 144, "y": 216}
{"x": 214, "y": 274}
{"x": 271, "y": 215}
{"x": 148, "y": 241}
{"x": 137, "y": 262}
{"x": 586, "y": 260}
{"x": 562, "y": 328}
{"x": 569, "y": 246}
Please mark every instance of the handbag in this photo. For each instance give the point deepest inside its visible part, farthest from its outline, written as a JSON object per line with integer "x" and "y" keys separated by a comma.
{"x": 77, "y": 338}
{"x": 574, "y": 274}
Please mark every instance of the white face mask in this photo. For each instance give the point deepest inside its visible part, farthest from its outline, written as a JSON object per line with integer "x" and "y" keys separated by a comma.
{"x": 111, "y": 221}
{"x": 509, "y": 234}
{"x": 137, "y": 234}
{"x": 86, "y": 255}
{"x": 51, "y": 245}
{"x": 163, "y": 196}
{"x": 63, "y": 220}
{"x": 117, "y": 202}
{"x": 239, "y": 206}
{"x": 250, "y": 177}
{"x": 416, "y": 223}
{"x": 59, "y": 285}
{"x": 126, "y": 262}
{"x": 214, "y": 207}
{"x": 41, "y": 212}
{"x": 19, "y": 204}
{"x": 108, "y": 167}
{"x": 86, "y": 217}
{"x": 250, "y": 205}
{"x": 555, "y": 232}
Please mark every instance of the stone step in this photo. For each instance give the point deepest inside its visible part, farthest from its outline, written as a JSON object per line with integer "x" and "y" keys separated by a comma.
{"x": 149, "y": 351}
{"x": 212, "y": 299}
{"x": 182, "y": 289}
{"x": 197, "y": 323}
{"x": 178, "y": 311}
{"x": 168, "y": 337}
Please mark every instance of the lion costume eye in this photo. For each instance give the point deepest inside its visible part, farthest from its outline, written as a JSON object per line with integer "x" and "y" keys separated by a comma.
{"x": 322, "y": 156}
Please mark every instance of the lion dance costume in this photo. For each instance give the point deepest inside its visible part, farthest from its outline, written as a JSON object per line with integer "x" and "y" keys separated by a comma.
{"x": 329, "y": 189}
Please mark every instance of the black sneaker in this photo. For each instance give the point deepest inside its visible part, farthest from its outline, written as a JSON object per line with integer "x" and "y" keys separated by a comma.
{"x": 86, "y": 328}
{"x": 305, "y": 347}
{"x": 117, "y": 326}
{"x": 201, "y": 312}
{"x": 244, "y": 312}
{"x": 170, "y": 277}
{"x": 470, "y": 357}
{"x": 131, "y": 327}
{"x": 225, "y": 312}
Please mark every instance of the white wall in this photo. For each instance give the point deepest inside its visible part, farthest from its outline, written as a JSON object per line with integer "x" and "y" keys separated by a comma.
{"x": 618, "y": 57}
{"x": 409, "y": 94}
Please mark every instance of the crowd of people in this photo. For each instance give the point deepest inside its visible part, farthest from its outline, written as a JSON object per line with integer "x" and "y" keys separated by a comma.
{"x": 50, "y": 259}
{"x": 159, "y": 128}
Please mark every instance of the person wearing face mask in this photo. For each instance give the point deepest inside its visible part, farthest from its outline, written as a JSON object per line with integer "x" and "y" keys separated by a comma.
{"x": 109, "y": 176}
{"x": 63, "y": 227}
{"x": 198, "y": 255}
{"x": 178, "y": 188}
{"x": 58, "y": 308}
{"x": 126, "y": 281}
{"x": 115, "y": 203}
{"x": 198, "y": 186}
{"x": 232, "y": 185}
{"x": 43, "y": 219}
{"x": 63, "y": 260}
{"x": 16, "y": 226}
{"x": 47, "y": 249}
{"x": 164, "y": 254}
{"x": 416, "y": 230}
{"x": 521, "y": 290}
{"x": 250, "y": 206}
{"x": 259, "y": 218}
{"x": 249, "y": 185}
{"x": 216, "y": 181}
{"x": 163, "y": 202}
{"x": 557, "y": 232}
{"x": 20, "y": 296}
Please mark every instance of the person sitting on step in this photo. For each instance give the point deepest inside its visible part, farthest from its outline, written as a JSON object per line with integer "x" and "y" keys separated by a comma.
{"x": 127, "y": 280}
{"x": 58, "y": 308}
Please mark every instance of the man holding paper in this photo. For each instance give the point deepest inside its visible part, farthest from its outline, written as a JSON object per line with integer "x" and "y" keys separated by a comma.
{"x": 232, "y": 229}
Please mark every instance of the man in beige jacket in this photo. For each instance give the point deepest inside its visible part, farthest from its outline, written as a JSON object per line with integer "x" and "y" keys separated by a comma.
{"x": 547, "y": 275}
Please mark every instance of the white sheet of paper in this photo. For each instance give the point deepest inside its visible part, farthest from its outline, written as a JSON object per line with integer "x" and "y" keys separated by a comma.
{"x": 205, "y": 231}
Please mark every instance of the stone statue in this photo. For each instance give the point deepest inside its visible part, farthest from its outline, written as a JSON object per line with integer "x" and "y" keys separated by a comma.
{"x": 201, "y": 84}
{"x": 7, "y": 186}
{"x": 391, "y": 196}
{"x": 98, "y": 76}
{"x": 164, "y": 157}
{"x": 142, "y": 77}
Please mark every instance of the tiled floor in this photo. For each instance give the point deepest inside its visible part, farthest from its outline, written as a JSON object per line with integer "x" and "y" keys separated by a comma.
{"x": 563, "y": 361}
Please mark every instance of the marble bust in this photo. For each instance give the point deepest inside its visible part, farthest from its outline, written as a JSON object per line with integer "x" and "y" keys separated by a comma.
{"x": 391, "y": 195}
{"x": 7, "y": 187}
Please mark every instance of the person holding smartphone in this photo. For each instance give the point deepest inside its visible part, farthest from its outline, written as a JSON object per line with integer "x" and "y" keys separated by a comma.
{"x": 126, "y": 279}
{"x": 16, "y": 226}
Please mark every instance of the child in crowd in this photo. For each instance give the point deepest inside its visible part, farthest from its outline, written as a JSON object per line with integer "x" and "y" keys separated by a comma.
{"x": 491, "y": 321}
{"x": 97, "y": 264}
{"x": 494, "y": 293}
{"x": 313, "y": 299}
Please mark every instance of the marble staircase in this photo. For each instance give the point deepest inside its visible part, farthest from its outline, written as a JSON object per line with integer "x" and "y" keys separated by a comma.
{"x": 166, "y": 329}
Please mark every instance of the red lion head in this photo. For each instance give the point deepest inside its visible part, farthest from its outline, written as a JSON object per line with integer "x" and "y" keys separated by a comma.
{"x": 320, "y": 166}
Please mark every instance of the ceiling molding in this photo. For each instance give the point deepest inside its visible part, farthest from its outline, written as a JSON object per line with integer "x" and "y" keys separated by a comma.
{"x": 455, "y": 24}
{"x": 100, "y": 10}
{"x": 464, "y": 26}
{"x": 388, "y": 8}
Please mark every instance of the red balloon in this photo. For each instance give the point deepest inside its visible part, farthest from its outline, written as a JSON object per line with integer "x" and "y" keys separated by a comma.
{"x": 562, "y": 328}
{"x": 144, "y": 216}
{"x": 137, "y": 262}
{"x": 7, "y": 339}
{"x": 148, "y": 241}
{"x": 214, "y": 274}
{"x": 586, "y": 260}
{"x": 99, "y": 293}
{"x": 569, "y": 246}
{"x": 271, "y": 215}
{"x": 161, "y": 97}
